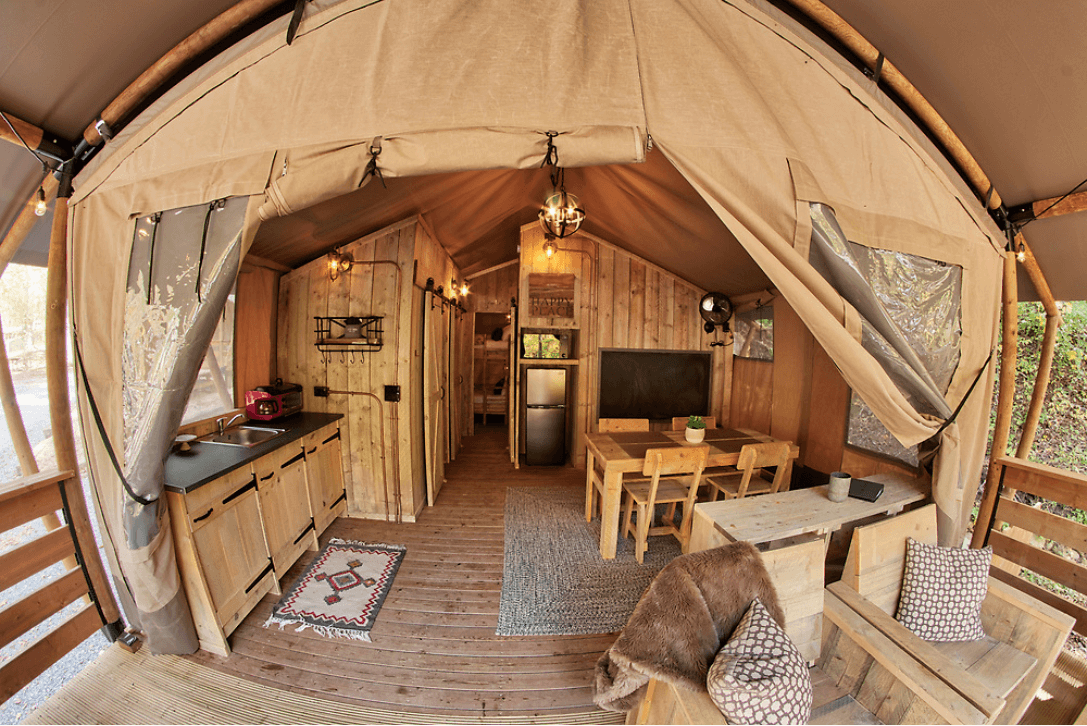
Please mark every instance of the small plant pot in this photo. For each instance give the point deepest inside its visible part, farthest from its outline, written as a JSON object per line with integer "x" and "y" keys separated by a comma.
{"x": 695, "y": 436}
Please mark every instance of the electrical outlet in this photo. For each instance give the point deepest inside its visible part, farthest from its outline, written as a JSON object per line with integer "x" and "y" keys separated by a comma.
{"x": 392, "y": 393}
{"x": 320, "y": 391}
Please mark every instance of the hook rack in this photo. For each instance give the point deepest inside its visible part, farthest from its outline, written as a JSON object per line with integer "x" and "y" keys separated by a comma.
{"x": 332, "y": 332}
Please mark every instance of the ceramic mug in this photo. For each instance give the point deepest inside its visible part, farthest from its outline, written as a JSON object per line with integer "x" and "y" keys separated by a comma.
{"x": 839, "y": 486}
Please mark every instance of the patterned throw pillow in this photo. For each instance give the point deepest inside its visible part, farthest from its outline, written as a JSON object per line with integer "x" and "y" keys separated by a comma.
{"x": 942, "y": 591}
{"x": 759, "y": 676}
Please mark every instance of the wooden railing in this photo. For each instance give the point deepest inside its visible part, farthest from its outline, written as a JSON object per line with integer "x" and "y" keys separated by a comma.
{"x": 1027, "y": 542}
{"x": 22, "y": 501}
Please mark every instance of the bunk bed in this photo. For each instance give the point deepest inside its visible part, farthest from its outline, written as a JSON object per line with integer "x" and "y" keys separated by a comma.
{"x": 491, "y": 390}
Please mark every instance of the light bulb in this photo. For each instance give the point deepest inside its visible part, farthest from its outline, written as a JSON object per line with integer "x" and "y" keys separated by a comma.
{"x": 1021, "y": 255}
{"x": 549, "y": 249}
{"x": 464, "y": 289}
{"x": 40, "y": 208}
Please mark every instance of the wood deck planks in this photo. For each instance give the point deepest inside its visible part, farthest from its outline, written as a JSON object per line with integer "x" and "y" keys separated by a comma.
{"x": 434, "y": 648}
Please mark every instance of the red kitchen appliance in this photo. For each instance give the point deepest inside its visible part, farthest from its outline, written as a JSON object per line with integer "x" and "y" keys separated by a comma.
{"x": 274, "y": 401}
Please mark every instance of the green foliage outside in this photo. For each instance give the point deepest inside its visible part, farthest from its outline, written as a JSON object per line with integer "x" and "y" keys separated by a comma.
{"x": 1062, "y": 429}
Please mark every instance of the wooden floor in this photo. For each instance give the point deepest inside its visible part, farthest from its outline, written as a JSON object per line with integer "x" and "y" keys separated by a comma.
{"x": 434, "y": 653}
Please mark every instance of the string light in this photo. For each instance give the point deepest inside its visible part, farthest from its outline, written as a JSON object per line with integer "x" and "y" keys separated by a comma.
{"x": 40, "y": 207}
{"x": 550, "y": 248}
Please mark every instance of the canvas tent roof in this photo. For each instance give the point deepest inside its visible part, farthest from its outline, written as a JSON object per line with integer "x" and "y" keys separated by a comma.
{"x": 1007, "y": 77}
{"x": 751, "y": 122}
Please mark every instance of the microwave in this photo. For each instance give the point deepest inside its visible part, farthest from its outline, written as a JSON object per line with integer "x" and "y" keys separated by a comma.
{"x": 553, "y": 344}
{"x": 275, "y": 401}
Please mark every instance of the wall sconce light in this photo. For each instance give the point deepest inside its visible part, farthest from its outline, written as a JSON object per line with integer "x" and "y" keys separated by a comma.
{"x": 40, "y": 207}
{"x": 561, "y": 214}
{"x": 461, "y": 290}
{"x": 550, "y": 248}
{"x": 339, "y": 262}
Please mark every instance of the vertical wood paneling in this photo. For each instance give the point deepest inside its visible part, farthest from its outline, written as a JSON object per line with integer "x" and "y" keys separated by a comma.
{"x": 621, "y": 302}
{"x": 825, "y": 440}
{"x": 792, "y": 378}
{"x": 605, "y": 296}
{"x": 365, "y": 290}
{"x": 666, "y": 319}
{"x": 255, "y": 330}
{"x": 637, "y": 323}
{"x": 652, "y": 309}
{"x": 752, "y": 389}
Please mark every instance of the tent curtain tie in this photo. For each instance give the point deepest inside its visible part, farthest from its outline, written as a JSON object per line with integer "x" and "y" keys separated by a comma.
{"x": 102, "y": 428}
{"x": 372, "y": 167}
{"x": 296, "y": 20}
{"x": 214, "y": 206}
{"x": 955, "y": 413}
{"x": 155, "y": 219}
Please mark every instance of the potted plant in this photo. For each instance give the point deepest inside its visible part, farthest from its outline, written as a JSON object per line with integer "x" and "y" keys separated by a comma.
{"x": 696, "y": 429}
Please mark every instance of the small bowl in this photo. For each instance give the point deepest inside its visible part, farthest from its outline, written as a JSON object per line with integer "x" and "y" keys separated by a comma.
{"x": 183, "y": 440}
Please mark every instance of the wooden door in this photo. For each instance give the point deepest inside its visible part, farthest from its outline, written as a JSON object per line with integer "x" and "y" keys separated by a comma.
{"x": 434, "y": 395}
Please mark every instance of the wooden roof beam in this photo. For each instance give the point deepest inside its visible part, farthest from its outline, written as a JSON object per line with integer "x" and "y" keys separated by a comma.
{"x": 16, "y": 131}
{"x": 1045, "y": 208}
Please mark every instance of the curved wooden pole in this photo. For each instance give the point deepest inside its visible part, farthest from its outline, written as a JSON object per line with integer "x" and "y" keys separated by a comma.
{"x": 60, "y": 412}
{"x": 25, "y": 222}
{"x": 154, "y": 77}
{"x": 870, "y": 55}
{"x": 1009, "y": 350}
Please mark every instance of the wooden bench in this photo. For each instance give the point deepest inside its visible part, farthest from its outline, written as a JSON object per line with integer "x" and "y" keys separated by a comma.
{"x": 859, "y": 675}
{"x": 1000, "y": 673}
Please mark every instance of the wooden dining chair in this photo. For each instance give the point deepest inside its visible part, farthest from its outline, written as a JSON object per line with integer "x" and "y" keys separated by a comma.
{"x": 679, "y": 423}
{"x": 594, "y": 479}
{"x": 674, "y": 475}
{"x": 748, "y": 477}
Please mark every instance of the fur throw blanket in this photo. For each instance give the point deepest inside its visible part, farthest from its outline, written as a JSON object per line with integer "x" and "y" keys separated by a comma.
{"x": 679, "y": 623}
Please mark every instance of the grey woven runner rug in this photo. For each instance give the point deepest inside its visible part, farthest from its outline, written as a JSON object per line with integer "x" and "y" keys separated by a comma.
{"x": 554, "y": 581}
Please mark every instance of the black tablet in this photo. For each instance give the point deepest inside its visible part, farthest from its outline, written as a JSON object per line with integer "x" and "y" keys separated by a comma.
{"x": 869, "y": 491}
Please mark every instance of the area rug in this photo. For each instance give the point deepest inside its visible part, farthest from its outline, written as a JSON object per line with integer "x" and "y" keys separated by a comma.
{"x": 342, "y": 590}
{"x": 554, "y": 581}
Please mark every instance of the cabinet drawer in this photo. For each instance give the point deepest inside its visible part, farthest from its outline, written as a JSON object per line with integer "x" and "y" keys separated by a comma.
{"x": 270, "y": 464}
{"x": 321, "y": 437}
{"x": 199, "y": 501}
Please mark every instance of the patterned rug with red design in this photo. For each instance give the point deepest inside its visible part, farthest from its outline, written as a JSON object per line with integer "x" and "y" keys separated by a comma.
{"x": 341, "y": 592}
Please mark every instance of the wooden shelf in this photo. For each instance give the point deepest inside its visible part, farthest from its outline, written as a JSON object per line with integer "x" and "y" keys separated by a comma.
{"x": 549, "y": 362}
{"x": 369, "y": 340}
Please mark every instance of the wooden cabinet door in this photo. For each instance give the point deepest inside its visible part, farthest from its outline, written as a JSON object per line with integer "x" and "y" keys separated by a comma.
{"x": 285, "y": 509}
{"x": 324, "y": 475}
{"x": 233, "y": 554}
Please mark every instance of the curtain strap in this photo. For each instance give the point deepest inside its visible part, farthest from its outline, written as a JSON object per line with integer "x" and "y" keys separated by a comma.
{"x": 962, "y": 403}
{"x": 102, "y": 428}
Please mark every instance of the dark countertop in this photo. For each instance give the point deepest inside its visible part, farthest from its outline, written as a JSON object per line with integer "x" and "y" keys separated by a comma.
{"x": 188, "y": 470}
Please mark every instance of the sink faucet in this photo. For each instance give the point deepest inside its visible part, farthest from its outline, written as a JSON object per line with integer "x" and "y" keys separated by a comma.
{"x": 224, "y": 426}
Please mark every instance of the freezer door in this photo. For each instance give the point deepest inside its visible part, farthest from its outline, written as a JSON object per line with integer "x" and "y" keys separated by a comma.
{"x": 545, "y": 436}
{"x": 545, "y": 387}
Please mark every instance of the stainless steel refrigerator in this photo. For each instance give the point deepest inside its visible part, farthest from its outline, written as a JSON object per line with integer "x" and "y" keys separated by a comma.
{"x": 545, "y": 420}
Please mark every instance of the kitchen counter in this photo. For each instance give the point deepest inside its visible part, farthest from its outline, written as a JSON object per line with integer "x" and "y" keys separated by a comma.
{"x": 205, "y": 462}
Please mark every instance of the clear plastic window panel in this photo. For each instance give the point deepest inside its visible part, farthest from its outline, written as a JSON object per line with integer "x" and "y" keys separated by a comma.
{"x": 911, "y": 309}
{"x": 213, "y": 392}
{"x": 177, "y": 255}
{"x": 753, "y": 333}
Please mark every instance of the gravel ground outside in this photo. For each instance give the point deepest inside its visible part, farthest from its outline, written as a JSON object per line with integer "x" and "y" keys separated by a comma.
{"x": 31, "y": 392}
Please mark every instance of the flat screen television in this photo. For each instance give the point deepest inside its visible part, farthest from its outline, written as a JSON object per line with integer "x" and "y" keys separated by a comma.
{"x": 654, "y": 384}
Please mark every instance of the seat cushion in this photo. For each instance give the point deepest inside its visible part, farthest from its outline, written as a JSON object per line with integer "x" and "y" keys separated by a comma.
{"x": 942, "y": 591}
{"x": 759, "y": 675}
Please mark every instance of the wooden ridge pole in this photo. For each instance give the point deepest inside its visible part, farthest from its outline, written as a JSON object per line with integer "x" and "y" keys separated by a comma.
{"x": 1008, "y": 352}
{"x": 60, "y": 413}
{"x": 155, "y": 76}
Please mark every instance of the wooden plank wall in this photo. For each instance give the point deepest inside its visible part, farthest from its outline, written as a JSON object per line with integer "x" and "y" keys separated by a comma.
{"x": 257, "y": 296}
{"x": 382, "y": 463}
{"x": 633, "y": 304}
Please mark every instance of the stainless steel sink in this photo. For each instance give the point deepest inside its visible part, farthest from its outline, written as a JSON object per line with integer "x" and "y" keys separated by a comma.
{"x": 244, "y": 436}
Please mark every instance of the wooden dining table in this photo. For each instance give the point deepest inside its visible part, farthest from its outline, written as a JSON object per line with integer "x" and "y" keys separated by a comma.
{"x": 624, "y": 452}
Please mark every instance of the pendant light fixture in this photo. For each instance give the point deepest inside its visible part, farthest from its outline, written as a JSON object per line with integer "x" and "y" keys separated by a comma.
{"x": 40, "y": 207}
{"x": 561, "y": 215}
